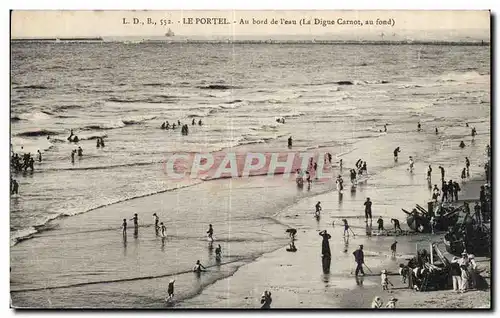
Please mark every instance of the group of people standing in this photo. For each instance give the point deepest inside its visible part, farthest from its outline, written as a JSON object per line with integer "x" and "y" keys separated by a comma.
{"x": 27, "y": 161}
{"x": 184, "y": 127}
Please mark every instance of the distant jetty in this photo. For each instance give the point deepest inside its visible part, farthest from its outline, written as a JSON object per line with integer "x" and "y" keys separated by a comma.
{"x": 280, "y": 42}
{"x": 75, "y": 39}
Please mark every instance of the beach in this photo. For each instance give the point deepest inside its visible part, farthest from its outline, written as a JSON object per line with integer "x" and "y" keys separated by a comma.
{"x": 67, "y": 246}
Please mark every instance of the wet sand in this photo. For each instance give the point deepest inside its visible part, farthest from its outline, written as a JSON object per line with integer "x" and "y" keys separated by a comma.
{"x": 295, "y": 279}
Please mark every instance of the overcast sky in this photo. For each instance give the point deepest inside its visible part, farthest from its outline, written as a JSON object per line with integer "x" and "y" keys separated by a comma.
{"x": 420, "y": 24}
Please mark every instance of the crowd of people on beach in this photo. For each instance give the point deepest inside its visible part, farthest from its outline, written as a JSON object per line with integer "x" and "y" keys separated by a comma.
{"x": 463, "y": 270}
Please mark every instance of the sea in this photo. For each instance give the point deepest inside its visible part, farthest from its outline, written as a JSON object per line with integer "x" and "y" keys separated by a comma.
{"x": 65, "y": 221}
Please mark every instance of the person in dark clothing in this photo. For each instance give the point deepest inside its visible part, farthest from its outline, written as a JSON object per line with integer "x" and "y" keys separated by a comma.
{"x": 437, "y": 132}
{"x": 396, "y": 225}
{"x": 162, "y": 127}
{"x": 73, "y": 156}
{"x": 157, "y": 221}
{"x": 456, "y": 189}
{"x": 359, "y": 257}
{"x": 429, "y": 173}
{"x": 98, "y": 145}
{"x": 467, "y": 165}
{"x": 325, "y": 245}
{"x": 290, "y": 142}
{"x": 171, "y": 289}
{"x": 200, "y": 123}
{"x": 136, "y": 220}
{"x": 442, "y": 172}
{"x": 210, "y": 232}
{"x": 363, "y": 168}
{"x": 102, "y": 143}
{"x": 291, "y": 233}
{"x": 325, "y": 251}
{"x": 266, "y": 300}
{"x": 380, "y": 223}
{"x": 346, "y": 227}
{"x": 32, "y": 164}
{"x": 444, "y": 191}
{"x": 464, "y": 174}
{"x": 124, "y": 226}
{"x": 318, "y": 207}
{"x": 353, "y": 176}
{"x": 477, "y": 212}
{"x": 396, "y": 151}
{"x": 80, "y": 152}
{"x": 218, "y": 253}
{"x": 15, "y": 187}
{"x": 393, "y": 248}
{"x": 39, "y": 156}
{"x": 419, "y": 126}
{"x": 368, "y": 209}
{"x": 462, "y": 144}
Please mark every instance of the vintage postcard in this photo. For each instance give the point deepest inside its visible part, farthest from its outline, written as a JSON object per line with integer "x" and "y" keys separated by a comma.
{"x": 250, "y": 159}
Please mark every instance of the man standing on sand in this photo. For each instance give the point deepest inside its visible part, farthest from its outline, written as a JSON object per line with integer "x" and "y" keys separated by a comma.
{"x": 368, "y": 209}
{"x": 359, "y": 257}
{"x": 396, "y": 151}
{"x": 290, "y": 142}
{"x": 380, "y": 224}
{"x": 456, "y": 189}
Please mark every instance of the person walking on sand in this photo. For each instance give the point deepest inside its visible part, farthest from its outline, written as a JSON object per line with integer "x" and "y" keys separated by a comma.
{"x": 124, "y": 226}
{"x": 170, "y": 289}
{"x": 210, "y": 232}
{"x": 346, "y": 227}
{"x": 377, "y": 302}
{"x": 393, "y": 248}
{"x": 429, "y": 173}
{"x": 290, "y": 142}
{"x": 419, "y": 127}
{"x": 385, "y": 280}
{"x": 463, "y": 175}
{"x": 396, "y": 152}
{"x": 318, "y": 208}
{"x": 359, "y": 257}
{"x": 368, "y": 209}
{"x": 437, "y": 132}
{"x": 410, "y": 164}
{"x": 39, "y": 155}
